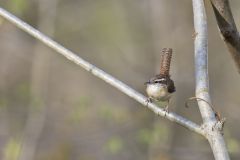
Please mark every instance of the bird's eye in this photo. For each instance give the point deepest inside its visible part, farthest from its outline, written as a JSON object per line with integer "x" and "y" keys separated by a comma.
{"x": 156, "y": 81}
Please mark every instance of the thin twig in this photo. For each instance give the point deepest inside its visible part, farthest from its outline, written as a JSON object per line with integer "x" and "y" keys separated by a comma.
{"x": 228, "y": 29}
{"x": 214, "y": 136}
{"x": 217, "y": 115}
{"x": 100, "y": 73}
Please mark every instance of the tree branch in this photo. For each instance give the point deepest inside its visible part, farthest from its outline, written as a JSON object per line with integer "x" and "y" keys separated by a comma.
{"x": 228, "y": 28}
{"x": 214, "y": 136}
{"x": 100, "y": 73}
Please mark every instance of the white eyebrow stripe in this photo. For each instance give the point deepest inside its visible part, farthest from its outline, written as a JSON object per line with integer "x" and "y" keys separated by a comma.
{"x": 160, "y": 80}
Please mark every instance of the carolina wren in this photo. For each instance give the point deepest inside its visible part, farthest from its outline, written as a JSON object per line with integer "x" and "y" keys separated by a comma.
{"x": 161, "y": 86}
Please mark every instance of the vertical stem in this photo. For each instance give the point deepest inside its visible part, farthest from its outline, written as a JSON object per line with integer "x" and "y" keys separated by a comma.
{"x": 214, "y": 136}
{"x": 201, "y": 61}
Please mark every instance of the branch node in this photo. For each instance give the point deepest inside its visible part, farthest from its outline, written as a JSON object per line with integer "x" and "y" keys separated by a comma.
{"x": 194, "y": 35}
{"x": 203, "y": 126}
{"x": 219, "y": 125}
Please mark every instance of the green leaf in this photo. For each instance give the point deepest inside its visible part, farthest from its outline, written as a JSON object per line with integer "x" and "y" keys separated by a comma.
{"x": 80, "y": 110}
{"x": 114, "y": 145}
{"x": 233, "y": 145}
{"x": 12, "y": 149}
{"x": 3, "y": 102}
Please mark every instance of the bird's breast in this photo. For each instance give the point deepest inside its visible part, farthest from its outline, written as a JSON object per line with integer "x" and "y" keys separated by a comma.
{"x": 158, "y": 92}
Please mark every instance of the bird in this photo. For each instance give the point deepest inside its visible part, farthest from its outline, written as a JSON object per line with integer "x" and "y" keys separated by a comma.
{"x": 161, "y": 86}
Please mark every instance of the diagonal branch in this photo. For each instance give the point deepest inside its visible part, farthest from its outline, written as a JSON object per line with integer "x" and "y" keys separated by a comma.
{"x": 100, "y": 73}
{"x": 214, "y": 135}
{"x": 228, "y": 29}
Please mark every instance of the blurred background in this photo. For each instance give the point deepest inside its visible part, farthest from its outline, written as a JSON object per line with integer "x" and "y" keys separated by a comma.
{"x": 53, "y": 109}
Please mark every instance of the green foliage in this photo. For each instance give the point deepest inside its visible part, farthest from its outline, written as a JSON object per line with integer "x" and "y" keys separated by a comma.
{"x": 106, "y": 112}
{"x": 18, "y": 6}
{"x": 12, "y": 149}
{"x": 80, "y": 110}
{"x": 114, "y": 145}
{"x": 144, "y": 136}
{"x": 159, "y": 134}
{"x": 107, "y": 26}
{"x": 36, "y": 102}
{"x": 113, "y": 114}
{"x": 233, "y": 145}
{"x": 24, "y": 95}
{"x": 23, "y": 91}
{"x": 3, "y": 102}
{"x": 60, "y": 152}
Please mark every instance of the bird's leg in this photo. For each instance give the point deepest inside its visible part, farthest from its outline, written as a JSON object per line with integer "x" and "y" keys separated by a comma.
{"x": 166, "y": 108}
{"x": 149, "y": 100}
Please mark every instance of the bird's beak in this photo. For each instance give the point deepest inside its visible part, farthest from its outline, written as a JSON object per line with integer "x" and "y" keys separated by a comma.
{"x": 148, "y": 82}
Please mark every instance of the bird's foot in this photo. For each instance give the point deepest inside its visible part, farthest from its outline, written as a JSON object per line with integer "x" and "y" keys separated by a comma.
{"x": 149, "y": 100}
{"x": 166, "y": 110}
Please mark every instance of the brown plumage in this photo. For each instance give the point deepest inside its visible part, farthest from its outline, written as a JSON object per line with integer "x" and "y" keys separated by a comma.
{"x": 161, "y": 86}
{"x": 165, "y": 61}
{"x": 164, "y": 79}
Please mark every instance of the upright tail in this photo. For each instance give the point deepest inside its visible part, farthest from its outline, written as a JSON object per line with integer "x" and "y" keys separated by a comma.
{"x": 165, "y": 61}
